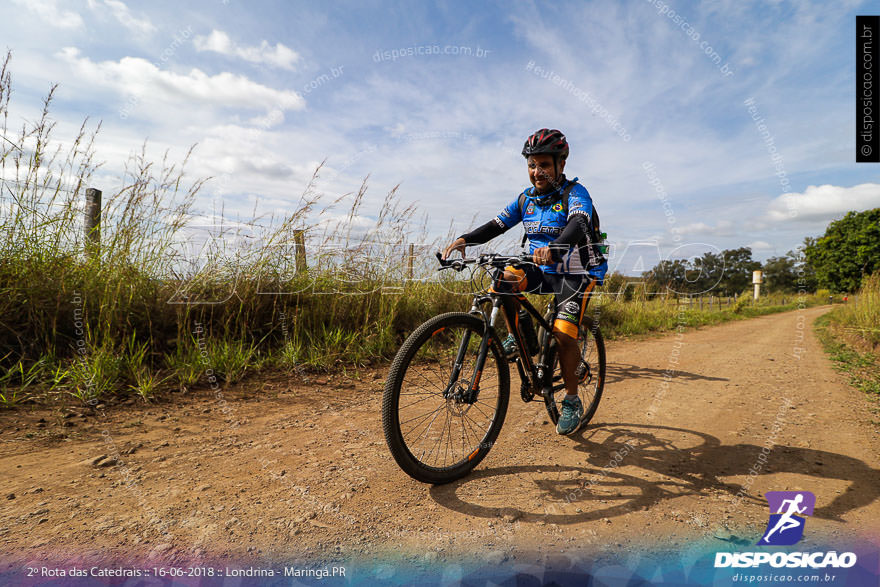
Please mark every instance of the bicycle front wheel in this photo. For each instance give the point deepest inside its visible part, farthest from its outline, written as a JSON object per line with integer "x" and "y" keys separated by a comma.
{"x": 438, "y": 424}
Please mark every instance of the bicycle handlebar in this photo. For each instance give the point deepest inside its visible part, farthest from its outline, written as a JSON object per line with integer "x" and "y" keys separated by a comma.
{"x": 494, "y": 259}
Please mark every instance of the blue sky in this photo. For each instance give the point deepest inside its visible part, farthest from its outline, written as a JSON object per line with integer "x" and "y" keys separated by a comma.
{"x": 438, "y": 97}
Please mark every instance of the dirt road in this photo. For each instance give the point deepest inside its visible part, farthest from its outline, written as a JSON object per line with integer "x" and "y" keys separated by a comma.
{"x": 279, "y": 467}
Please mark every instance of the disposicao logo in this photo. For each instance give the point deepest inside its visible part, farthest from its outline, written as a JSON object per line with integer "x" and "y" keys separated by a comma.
{"x": 788, "y": 511}
{"x": 787, "y": 517}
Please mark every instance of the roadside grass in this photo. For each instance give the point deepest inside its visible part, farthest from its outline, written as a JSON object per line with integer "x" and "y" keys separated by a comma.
{"x": 320, "y": 328}
{"x": 158, "y": 306}
{"x": 620, "y": 318}
{"x": 851, "y": 336}
{"x": 862, "y": 367}
{"x": 861, "y": 317}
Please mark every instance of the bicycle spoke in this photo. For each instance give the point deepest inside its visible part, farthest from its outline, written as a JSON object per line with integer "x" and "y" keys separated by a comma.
{"x": 437, "y": 444}
{"x": 418, "y": 401}
{"x": 478, "y": 408}
{"x": 465, "y": 437}
{"x": 477, "y": 438}
{"x": 432, "y": 383}
{"x": 423, "y": 417}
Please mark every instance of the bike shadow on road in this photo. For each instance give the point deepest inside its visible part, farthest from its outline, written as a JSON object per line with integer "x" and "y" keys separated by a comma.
{"x": 632, "y": 467}
{"x": 616, "y": 372}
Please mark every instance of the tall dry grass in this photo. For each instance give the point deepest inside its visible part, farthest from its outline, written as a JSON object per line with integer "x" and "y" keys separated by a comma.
{"x": 161, "y": 306}
{"x": 144, "y": 312}
{"x": 861, "y": 316}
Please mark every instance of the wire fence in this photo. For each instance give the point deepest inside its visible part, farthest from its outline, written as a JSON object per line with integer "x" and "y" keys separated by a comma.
{"x": 204, "y": 229}
{"x": 204, "y": 233}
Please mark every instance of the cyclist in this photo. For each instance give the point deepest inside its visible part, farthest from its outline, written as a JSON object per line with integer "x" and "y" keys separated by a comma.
{"x": 567, "y": 264}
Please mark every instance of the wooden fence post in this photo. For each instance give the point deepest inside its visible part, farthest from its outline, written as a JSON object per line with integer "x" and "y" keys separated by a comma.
{"x": 92, "y": 223}
{"x": 299, "y": 240}
{"x": 409, "y": 262}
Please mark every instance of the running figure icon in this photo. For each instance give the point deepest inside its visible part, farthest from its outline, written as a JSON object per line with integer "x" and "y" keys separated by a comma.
{"x": 787, "y": 516}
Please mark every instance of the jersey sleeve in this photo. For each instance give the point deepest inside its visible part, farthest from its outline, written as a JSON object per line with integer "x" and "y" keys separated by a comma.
{"x": 580, "y": 203}
{"x": 510, "y": 216}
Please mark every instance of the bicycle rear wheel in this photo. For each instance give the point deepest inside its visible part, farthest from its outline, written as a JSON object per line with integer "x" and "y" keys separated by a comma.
{"x": 590, "y": 372}
{"x": 436, "y": 429}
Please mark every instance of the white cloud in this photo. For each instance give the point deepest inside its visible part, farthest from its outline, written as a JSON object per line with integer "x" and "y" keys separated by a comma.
{"x": 270, "y": 120}
{"x": 722, "y": 228}
{"x": 760, "y": 246}
{"x": 441, "y": 114}
{"x": 395, "y": 131}
{"x": 219, "y": 42}
{"x": 139, "y": 77}
{"x": 824, "y": 202}
{"x": 49, "y": 12}
{"x": 253, "y": 160}
{"x": 121, "y": 13}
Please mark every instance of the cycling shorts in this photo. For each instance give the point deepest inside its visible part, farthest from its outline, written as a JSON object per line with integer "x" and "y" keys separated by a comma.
{"x": 572, "y": 293}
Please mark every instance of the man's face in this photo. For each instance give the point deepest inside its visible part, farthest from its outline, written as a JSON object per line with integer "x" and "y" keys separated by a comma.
{"x": 541, "y": 172}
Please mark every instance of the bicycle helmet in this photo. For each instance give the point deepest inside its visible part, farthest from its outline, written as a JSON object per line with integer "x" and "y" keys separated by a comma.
{"x": 546, "y": 142}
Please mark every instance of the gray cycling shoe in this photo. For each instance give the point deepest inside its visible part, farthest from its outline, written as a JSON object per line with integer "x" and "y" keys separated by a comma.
{"x": 572, "y": 410}
{"x": 509, "y": 346}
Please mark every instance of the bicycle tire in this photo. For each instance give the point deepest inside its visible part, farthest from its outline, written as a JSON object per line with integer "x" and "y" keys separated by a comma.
{"x": 590, "y": 390}
{"x": 409, "y": 362}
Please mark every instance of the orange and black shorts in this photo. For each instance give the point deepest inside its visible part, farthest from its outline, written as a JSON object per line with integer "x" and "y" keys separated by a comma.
{"x": 572, "y": 293}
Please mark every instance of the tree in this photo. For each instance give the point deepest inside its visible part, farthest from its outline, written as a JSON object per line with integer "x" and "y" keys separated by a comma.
{"x": 671, "y": 274}
{"x": 848, "y": 251}
{"x": 806, "y": 272}
{"x": 707, "y": 273}
{"x": 791, "y": 273}
{"x": 780, "y": 273}
{"x": 726, "y": 273}
{"x": 738, "y": 267}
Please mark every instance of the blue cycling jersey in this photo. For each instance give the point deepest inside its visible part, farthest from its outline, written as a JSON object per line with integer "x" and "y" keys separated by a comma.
{"x": 544, "y": 223}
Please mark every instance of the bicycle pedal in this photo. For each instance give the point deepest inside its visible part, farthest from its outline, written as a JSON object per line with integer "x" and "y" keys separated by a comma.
{"x": 548, "y": 393}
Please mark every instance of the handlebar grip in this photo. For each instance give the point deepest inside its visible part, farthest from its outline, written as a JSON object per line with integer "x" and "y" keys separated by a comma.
{"x": 445, "y": 262}
{"x": 449, "y": 263}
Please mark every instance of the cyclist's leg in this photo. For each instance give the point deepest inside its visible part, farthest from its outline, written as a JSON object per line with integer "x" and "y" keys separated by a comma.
{"x": 572, "y": 297}
{"x": 516, "y": 281}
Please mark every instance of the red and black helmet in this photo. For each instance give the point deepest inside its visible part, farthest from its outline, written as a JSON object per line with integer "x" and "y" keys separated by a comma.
{"x": 546, "y": 142}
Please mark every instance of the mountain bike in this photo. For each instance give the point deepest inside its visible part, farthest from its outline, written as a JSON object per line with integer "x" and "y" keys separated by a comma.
{"x": 447, "y": 392}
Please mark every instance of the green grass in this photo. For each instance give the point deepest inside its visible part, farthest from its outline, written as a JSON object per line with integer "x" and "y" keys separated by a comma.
{"x": 862, "y": 367}
{"x": 861, "y": 316}
{"x": 17, "y": 382}
{"x": 637, "y": 317}
{"x": 850, "y": 336}
{"x": 139, "y": 317}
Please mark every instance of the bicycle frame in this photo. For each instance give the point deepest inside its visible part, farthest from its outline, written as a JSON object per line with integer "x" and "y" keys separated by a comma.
{"x": 535, "y": 377}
